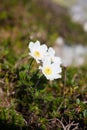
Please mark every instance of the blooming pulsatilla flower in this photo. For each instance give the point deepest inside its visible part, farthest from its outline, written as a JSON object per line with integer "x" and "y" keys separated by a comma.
{"x": 37, "y": 51}
{"x": 50, "y": 64}
{"x": 51, "y": 70}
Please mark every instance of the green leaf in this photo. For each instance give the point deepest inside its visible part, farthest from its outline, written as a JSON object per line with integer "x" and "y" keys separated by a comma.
{"x": 85, "y": 113}
{"x": 78, "y": 101}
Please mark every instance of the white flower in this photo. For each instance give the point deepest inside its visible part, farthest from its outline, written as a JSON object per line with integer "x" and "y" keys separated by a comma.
{"x": 50, "y": 56}
{"x": 51, "y": 71}
{"x": 37, "y": 51}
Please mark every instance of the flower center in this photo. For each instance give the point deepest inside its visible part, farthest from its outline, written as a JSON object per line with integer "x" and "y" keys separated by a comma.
{"x": 48, "y": 70}
{"x": 37, "y": 54}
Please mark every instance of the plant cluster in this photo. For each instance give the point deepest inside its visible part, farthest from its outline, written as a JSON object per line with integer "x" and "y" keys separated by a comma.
{"x": 33, "y": 102}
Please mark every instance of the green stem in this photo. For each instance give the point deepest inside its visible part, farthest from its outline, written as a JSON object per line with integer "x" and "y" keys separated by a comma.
{"x": 30, "y": 65}
{"x": 64, "y": 81}
{"x": 64, "y": 86}
{"x": 38, "y": 81}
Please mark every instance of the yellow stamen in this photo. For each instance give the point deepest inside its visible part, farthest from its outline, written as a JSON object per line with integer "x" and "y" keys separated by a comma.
{"x": 48, "y": 71}
{"x": 37, "y": 53}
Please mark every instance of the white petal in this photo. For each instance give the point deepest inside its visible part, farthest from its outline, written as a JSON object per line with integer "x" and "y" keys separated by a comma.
{"x": 37, "y": 43}
{"x": 40, "y": 67}
{"x": 57, "y": 76}
{"x": 50, "y": 77}
{"x": 58, "y": 70}
{"x": 51, "y": 51}
{"x": 31, "y": 45}
{"x": 47, "y": 61}
{"x": 43, "y": 47}
{"x": 57, "y": 59}
{"x": 37, "y": 61}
